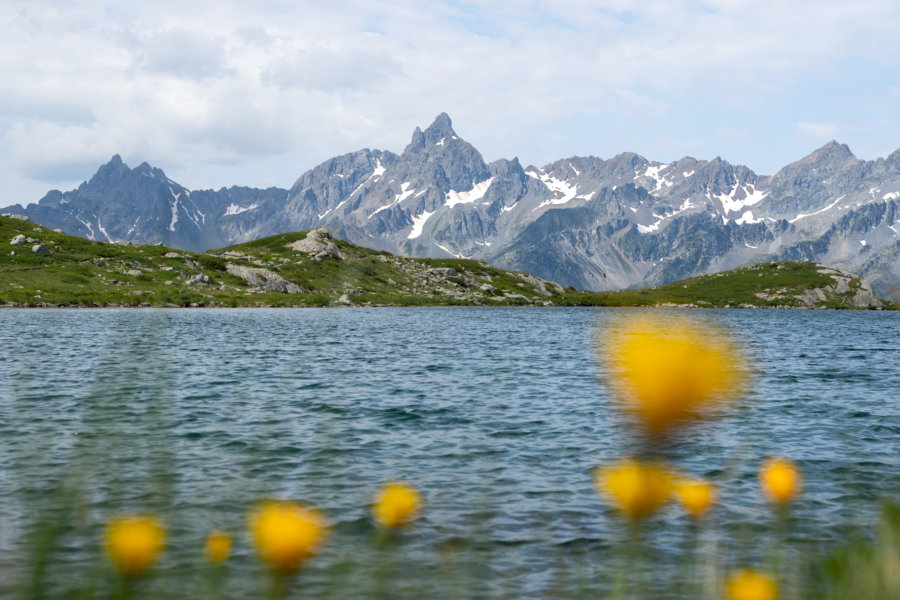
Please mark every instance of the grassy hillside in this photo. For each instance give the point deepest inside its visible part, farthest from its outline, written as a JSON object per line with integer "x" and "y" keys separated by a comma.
{"x": 79, "y": 272}
{"x": 49, "y": 268}
{"x": 800, "y": 284}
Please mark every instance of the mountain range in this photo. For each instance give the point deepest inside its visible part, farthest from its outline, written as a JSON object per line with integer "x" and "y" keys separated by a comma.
{"x": 583, "y": 221}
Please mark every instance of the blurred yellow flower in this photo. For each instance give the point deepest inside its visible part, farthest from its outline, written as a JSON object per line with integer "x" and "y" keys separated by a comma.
{"x": 218, "y": 547}
{"x": 667, "y": 371}
{"x": 780, "y": 480}
{"x": 751, "y": 585}
{"x": 134, "y": 542}
{"x": 286, "y": 534}
{"x": 636, "y": 488}
{"x": 696, "y": 496}
{"x": 396, "y": 505}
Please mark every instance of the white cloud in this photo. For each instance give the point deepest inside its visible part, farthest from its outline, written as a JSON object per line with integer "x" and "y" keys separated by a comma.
{"x": 177, "y": 52}
{"x": 203, "y": 84}
{"x": 333, "y": 69}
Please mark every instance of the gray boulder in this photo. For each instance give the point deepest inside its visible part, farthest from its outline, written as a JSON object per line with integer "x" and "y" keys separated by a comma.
{"x": 536, "y": 283}
{"x": 263, "y": 278}
{"x": 39, "y": 249}
{"x": 19, "y": 240}
{"x": 198, "y": 279}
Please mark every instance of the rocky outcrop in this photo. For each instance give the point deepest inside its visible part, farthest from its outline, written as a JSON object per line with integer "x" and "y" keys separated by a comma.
{"x": 264, "y": 279}
{"x": 847, "y": 291}
{"x": 199, "y": 279}
{"x": 318, "y": 243}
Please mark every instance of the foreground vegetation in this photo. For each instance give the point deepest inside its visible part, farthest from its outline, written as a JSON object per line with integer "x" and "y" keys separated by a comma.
{"x": 40, "y": 267}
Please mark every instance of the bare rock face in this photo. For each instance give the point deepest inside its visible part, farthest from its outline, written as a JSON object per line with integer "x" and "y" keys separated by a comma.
{"x": 848, "y": 291}
{"x": 539, "y": 285}
{"x": 319, "y": 243}
{"x": 263, "y": 278}
{"x": 866, "y": 297}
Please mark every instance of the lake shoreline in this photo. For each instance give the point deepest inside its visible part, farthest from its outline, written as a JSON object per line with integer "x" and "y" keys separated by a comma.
{"x": 45, "y": 305}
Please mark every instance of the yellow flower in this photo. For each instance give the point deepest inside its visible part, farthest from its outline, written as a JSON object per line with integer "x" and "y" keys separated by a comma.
{"x": 134, "y": 542}
{"x": 218, "y": 547}
{"x": 666, "y": 372}
{"x": 396, "y": 505}
{"x": 780, "y": 480}
{"x": 636, "y": 488}
{"x": 696, "y": 496}
{"x": 286, "y": 534}
{"x": 751, "y": 585}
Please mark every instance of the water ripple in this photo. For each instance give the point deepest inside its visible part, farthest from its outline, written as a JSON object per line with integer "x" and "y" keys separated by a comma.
{"x": 499, "y": 415}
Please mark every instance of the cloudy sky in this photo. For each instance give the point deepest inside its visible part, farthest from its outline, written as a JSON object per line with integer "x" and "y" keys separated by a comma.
{"x": 219, "y": 93}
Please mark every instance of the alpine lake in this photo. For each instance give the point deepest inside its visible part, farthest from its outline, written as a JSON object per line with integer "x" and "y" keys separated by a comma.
{"x": 499, "y": 416}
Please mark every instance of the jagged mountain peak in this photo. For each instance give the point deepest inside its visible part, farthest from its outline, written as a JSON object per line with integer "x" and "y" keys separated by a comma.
{"x": 116, "y": 171}
{"x": 832, "y": 153}
{"x": 893, "y": 160}
{"x": 437, "y": 135}
{"x": 112, "y": 172}
{"x": 441, "y": 126}
{"x": 439, "y": 155}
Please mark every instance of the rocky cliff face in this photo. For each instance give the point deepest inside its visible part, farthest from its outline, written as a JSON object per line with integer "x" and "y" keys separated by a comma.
{"x": 583, "y": 221}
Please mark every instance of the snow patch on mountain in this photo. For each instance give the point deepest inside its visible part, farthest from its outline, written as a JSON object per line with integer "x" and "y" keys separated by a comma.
{"x": 476, "y": 193}
{"x": 405, "y": 192}
{"x": 686, "y": 205}
{"x": 418, "y": 225}
{"x": 234, "y": 209}
{"x": 103, "y": 230}
{"x": 335, "y": 209}
{"x": 89, "y": 227}
{"x": 449, "y": 251}
{"x": 379, "y": 169}
{"x": 378, "y": 172}
{"x": 732, "y": 204}
{"x": 747, "y": 219}
{"x": 653, "y": 172}
{"x": 174, "y": 210}
{"x": 562, "y": 190}
{"x": 818, "y": 212}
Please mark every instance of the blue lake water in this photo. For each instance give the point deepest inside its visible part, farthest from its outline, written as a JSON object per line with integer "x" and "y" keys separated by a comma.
{"x": 497, "y": 415}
